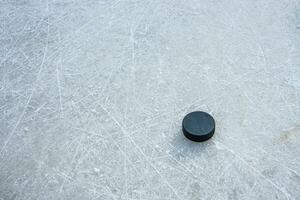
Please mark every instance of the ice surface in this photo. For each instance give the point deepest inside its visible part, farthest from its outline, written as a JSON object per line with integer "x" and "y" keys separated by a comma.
{"x": 92, "y": 95}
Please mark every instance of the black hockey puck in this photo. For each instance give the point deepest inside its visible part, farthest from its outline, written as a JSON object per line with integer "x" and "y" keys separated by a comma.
{"x": 198, "y": 126}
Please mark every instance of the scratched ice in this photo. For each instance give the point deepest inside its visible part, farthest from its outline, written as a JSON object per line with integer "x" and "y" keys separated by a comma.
{"x": 92, "y": 94}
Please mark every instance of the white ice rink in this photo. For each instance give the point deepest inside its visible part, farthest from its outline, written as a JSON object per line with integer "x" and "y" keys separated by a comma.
{"x": 92, "y": 94}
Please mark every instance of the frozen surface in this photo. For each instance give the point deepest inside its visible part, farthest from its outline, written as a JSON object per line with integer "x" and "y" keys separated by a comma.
{"x": 92, "y": 95}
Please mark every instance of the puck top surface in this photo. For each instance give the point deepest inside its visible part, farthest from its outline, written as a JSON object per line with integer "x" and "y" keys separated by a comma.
{"x": 198, "y": 126}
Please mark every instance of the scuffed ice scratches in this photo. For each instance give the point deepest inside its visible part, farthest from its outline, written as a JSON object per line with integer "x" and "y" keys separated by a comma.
{"x": 92, "y": 94}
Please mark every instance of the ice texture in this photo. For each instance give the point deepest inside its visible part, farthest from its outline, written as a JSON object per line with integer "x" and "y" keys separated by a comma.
{"x": 92, "y": 94}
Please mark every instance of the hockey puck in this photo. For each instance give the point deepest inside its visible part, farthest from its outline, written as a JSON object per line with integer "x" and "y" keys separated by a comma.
{"x": 198, "y": 126}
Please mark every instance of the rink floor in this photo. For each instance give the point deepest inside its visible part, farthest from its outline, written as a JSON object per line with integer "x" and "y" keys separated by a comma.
{"x": 92, "y": 94}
